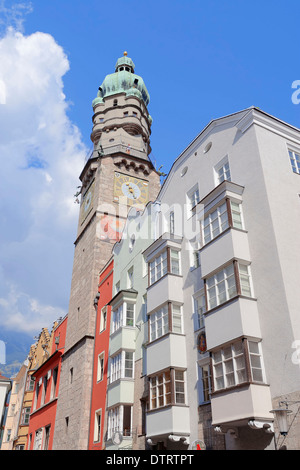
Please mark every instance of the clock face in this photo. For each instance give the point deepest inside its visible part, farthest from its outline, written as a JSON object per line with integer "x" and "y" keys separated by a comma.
{"x": 87, "y": 203}
{"x": 130, "y": 190}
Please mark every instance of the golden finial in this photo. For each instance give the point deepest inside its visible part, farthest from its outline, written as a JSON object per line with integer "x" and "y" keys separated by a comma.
{"x": 125, "y": 53}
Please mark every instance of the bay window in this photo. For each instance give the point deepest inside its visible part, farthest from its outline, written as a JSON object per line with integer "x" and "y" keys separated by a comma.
{"x": 119, "y": 419}
{"x": 167, "y": 388}
{"x": 168, "y": 261}
{"x": 159, "y": 323}
{"x": 123, "y": 315}
{"x": 167, "y": 319}
{"x": 228, "y": 214}
{"x": 227, "y": 283}
{"x": 215, "y": 222}
{"x": 229, "y": 364}
{"x": 160, "y": 390}
{"x": 122, "y": 366}
{"x": 158, "y": 267}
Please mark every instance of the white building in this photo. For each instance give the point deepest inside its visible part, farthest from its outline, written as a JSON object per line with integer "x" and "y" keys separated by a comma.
{"x": 223, "y": 297}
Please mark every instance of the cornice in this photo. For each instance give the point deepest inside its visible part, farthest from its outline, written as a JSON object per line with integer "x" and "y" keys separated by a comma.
{"x": 268, "y": 122}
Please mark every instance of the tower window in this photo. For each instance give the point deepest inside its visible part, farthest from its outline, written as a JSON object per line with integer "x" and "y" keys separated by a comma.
{"x": 115, "y": 102}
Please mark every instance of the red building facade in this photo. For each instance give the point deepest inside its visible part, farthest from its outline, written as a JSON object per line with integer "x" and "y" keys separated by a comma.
{"x": 100, "y": 367}
{"x": 43, "y": 411}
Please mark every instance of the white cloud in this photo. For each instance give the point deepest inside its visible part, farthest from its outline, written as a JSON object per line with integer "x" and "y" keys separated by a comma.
{"x": 26, "y": 314}
{"x": 41, "y": 156}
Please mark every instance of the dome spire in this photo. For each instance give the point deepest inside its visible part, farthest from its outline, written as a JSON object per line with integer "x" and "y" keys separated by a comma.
{"x": 125, "y": 63}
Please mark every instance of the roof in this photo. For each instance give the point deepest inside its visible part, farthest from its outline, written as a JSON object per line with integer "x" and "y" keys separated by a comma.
{"x": 240, "y": 115}
{"x": 123, "y": 80}
{"x": 4, "y": 379}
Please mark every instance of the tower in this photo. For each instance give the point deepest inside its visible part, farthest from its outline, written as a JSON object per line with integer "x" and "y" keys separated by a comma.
{"x": 117, "y": 175}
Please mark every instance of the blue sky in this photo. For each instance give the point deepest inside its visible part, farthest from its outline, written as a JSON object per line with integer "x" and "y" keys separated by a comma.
{"x": 199, "y": 60}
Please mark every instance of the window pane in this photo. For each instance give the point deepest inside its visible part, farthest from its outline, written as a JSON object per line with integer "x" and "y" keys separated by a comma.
{"x": 218, "y": 370}
{"x": 227, "y": 352}
{"x": 179, "y": 375}
{"x": 238, "y": 347}
{"x": 219, "y": 383}
{"x": 255, "y": 361}
{"x": 257, "y": 375}
{"x": 230, "y": 380}
{"x": 217, "y": 356}
{"x": 229, "y": 366}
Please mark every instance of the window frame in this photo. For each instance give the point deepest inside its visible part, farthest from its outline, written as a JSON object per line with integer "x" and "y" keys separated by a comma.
{"x": 25, "y": 417}
{"x": 158, "y": 266}
{"x": 161, "y": 314}
{"x": 238, "y": 287}
{"x": 116, "y": 421}
{"x": 206, "y": 382}
{"x": 244, "y": 353}
{"x": 130, "y": 278}
{"x": 295, "y": 163}
{"x": 221, "y": 172}
{"x": 103, "y": 319}
{"x": 164, "y": 388}
{"x": 178, "y": 315}
{"x": 193, "y": 198}
{"x": 208, "y": 221}
{"x": 118, "y": 367}
{"x": 97, "y": 426}
{"x": 54, "y": 382}
{"x": 200, "y": 310}
{"x": 234, "y": 219}
{"x": 100, "y": 366}
{"x": 164, "y": 263}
